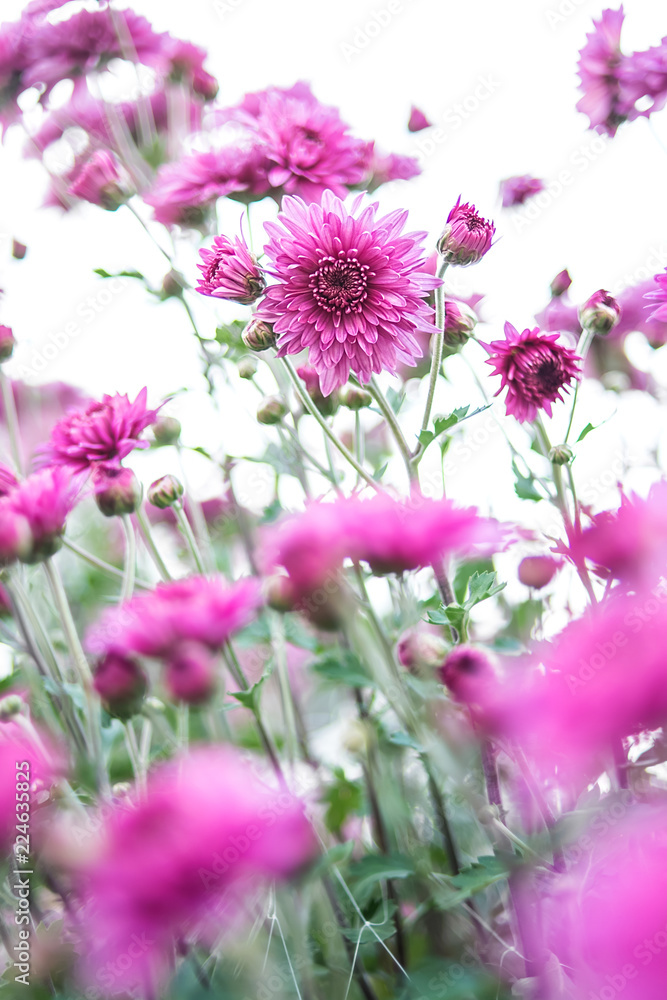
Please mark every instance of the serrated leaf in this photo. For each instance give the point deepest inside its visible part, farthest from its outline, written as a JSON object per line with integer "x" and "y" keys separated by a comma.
{"x": 343, "y": 667}
{"x": 463, "y": 574}
{"x": 524, "y": 486}
{"x": 425, "y": 438}
{"x": 336, "y": 855}
{"x": 480, "y": 587}
{"x": 456, "y": 616}
{"x": 376, "y": 868}
{"x": 250, "y": 698}
{"x": 487, "y": 870}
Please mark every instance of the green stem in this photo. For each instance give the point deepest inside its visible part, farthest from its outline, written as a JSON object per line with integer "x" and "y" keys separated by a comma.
{"x": 236, "y": 671}
{"x": 394, "y": 427}
{"x": 436, "y": 361}
{"x": 129, "y": 573}
{"x": 314, "y": 412}
{"x": 11, "y": 418}
{"x": 100, "y": 564}
{"x": 188, "y": 534}
{"x": 583, "y": 347}
{"x": 145, "y": 528}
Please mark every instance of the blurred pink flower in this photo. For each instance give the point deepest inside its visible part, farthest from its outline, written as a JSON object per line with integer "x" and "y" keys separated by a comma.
{"x": 44, "y": 499}
{"x": 659, "y": 295}
{"x": 644, "y": 79}
{"x": 104, "y": 431}
{"x": 22, "y": 744}
{"x": 599, "y": 70}
{"x": 517, "y": 190}
{"x": 178, "y": 864}
{"x": 38, "y": 407}
{"x": 185, "y": 62}
{"x": 534, "y": 367}
{"x": 230, "y": 271}
{"x": 467, "y": 236}
{"x": 195, "y": 609}
{"x": 6, "y": 342}
{"x": 381, "y": 168}
{"x": 418, "y": 120}
{"x": 8, "y": 480}
{"x": 559, "y": 316}
{"x": 350, "y": 288}
{"x": 99, "y": 181}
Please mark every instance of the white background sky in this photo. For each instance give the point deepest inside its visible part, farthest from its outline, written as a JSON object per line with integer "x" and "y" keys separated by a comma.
{"x": 605, "y": 226}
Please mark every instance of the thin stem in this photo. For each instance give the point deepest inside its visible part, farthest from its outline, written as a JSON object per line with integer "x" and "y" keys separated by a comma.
{"x": 583, "y": 346}
{"x": 278, "y": 637}
{"x": 129, "y": 573}
{"x": 143, "y": 225}
{"x": 441, "y": 816}
{"x": 236, "y": 671}
{"x": 188, "y": 534}
{"x": 436, "y": 360}
{"x": 11, "y": 418}
{"x": 100, "y": 564}
{"x": 147, "y": 535}
{"x": 314, "y": 412}
{"x": 394, "y": 427}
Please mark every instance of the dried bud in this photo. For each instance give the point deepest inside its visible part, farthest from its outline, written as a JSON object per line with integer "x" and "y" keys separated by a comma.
{"x": 190, "y": 674}
{"x": 19, "y": 250}
{"x": 600, "y": 313}
{"x": 537, "y": 571}
{"x": 258, "y": 336}
{"x": 466, "y": 237}
{"x": 166, "y": 430}
{"x": 247, "y": 367}
{"x": 6, "y": 343}
{"x": 165, "y": 492}
{"x": 117, "y": 490}
{"x": 121, "y": 685}
{"x": 354, "y": 398}
{"x": 271, "y": 410}
{"x": 561, "y": 283}
{"x": 419, "y": 651}
{"x": 561, "y": 454}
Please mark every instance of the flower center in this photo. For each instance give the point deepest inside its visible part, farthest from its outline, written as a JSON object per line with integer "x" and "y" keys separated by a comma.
{"x": 340, "y": 284}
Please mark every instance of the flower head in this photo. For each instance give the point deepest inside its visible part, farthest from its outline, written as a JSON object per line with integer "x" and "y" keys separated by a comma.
{"x": 104, "y": 431}
{"x": 117, "y": 490}
{"x": 466, "y": 237}
{"x": 121, "y": 685}
{"x": 44, "y": 500}
{"x": 349, "y": 288}
{"x": 230, "y": 271}
{"x": 659, "y": 296}
{"x": 182, "y": 859}
{"x": 599, "y": 63}
{"x": 99, "y": 182}
{"x": 517, "y": 190}
{"x": 534, "y": 367}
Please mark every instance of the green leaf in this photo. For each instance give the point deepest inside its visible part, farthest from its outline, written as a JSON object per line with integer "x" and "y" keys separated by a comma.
{"x": 400, "y": 739}
{"x": 463, "y": 574}
{"x": 272, "y": 512}
{"x": 343, "y": 667}
{"x": 250, "y": 698}
{"x": 524, "y": 486}
{"x": 336, "y": 855}
{"x": 118, "y": 274}
{"x": 480, "y": 587}
{"x": 586, "y": 431}
{"x": 456, "y": 616}
{"x": 484, "y": 872}
{"x": 395, "y": 398}
{"x": 379, "y": 473}
{"x": 343, "y": 798}
{"x": 376, "y": 868}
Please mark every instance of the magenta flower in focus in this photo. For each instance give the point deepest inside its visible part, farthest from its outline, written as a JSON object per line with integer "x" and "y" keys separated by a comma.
{"x": 180, "y": 863}
{"x": 517, "y": 190}
{"x": 99, "y": 182}
{"x": 418, "y": 120}
{"x": 350, "y": 288}
{"x": 466, "y": 237}
{"x": 230, "y": 271}
{"x": 534, "y": 367}
{"x": 44, "y": 500}
{"x": 104, "y": 431}
{"x": 659, "y": 295}
{"x": 599, "y": 65}
{"x": 196, "y": 609}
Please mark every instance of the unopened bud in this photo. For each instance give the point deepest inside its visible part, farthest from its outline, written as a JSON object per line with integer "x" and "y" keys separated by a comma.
{"x": 419, "y": 650}
{"x": 10, "y": 706}
{"x": 466, "y": 237}
{"x": 117, "y": 491}
{"x": 279, "y": 592}
{"x": 327, "y": 405}
{"x": 561, "y": 454}
{"x": 19, "y": 250}
{"x": 537, "y": 571}
{"x": 166, "y": 430}
{"x": 459, "y": 324}
{"x": 356, "y": 738}
{"x": 6, "y": 343}
{"x": 561, "y": 283}
{"x": 173, "y": 284}
{"x": 121, "y": 685}
{"x": 354, "y": 397}
{"x": 466, "y": 672}
{"x": 247, "y": 367}
{"x": 271, "y": 410}
{"x": 190, "y": 675}
{"x": 258, "y": 336}
{"x": 600, "y": 313}
{"x": 165, "y": 492}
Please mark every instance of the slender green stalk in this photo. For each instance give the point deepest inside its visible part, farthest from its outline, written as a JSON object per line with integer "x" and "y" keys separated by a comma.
{"x": 314, "y": 412}
{"x": 394, "y": 427}
{"x": 188, "y": 534}
{"x": 583, "y": 347}
{"x": 436, "y": 362}
{"x": 149, "y": 542}
{"x": 129, "y": 573}
{"x": 11, "y": 418}
{"x": 103, "y": 566}
{"x": 289, "y": 714}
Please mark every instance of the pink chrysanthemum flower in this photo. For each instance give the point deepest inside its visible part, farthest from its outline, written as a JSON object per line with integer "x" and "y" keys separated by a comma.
{"x": 230, "y": 271}
{"x": 467, "y": 236}
{"x": 185, "y": 62}
{"x": 599, "y": 65}
{"x": 517, "y": 190}
{"x": 349, "y": 288}
{"x": 644, "y": 78}
{"x": 535, "y": 367}
{"x": 383, "y": 168}
{"x": 104, "y": 431}
{"x": 659, "y": 296}
{"x": 8, "y": 480}
{"x": 197, "y": 609}
{"x": 100, "y": 182}
{"x": 178, "y": 865}
{"x": 44, "y": 500}
{"x": 417, "y": 120}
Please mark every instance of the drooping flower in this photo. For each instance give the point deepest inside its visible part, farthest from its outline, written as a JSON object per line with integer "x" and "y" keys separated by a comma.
{"x": 517, "y": 190}
{"x": 535, "y": 367}
{"x": 418, "y": 120}
{"x": 230, "y": 271}
{"x": 178, "y": 864}
{"x": 196, "y": 609}
{"x": 466, "y": 236}
{"x": 105, "y": 431}
{"x": 599, "y": 70}
{"x": 349, "y": 288}
{"x": 659, "y": 295}
{"x": 44, "y": 499}
{"x": 100, "y": 182}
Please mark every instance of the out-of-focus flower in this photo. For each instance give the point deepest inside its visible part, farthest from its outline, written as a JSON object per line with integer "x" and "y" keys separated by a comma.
{"x": 19, "y": 250}
{"x": 15, "y": 536}
{"x": 644, "y": 81}
{"x": 419, "y": 650}
{"x": 466, "y": 236}
{"x": 105, "y": 431}
{"x": 600, "y": 313}
{"x": 349, "y": 288}
{"x": 117, "y": 490}
{"x": 534, "y": 367}
{"x": 418, "y": 120}
{"x": 599, "y": 66}
{"x": 185, "y": 63}
{"x": 44, "y": 500}
{"x": 27, "y": 759}
{"x": 559, "y": 316}
{"x": 561, "y": 283}
{"x": 38, "y": 408}
{"x": 7, "y": 480}
{"x": 537, "y": 571}
{"x": 381, "y": 168}
{"x": 196, "y": 609}
{"x": 6, "y": 342}
{"x": 165, "y": 492}
{"x": 121, "y": 684}
{"x": 190, "y": 674}
{"x": 327, "y": 405}
{"x": 230, "y": 271}
{"x": 99, "y": 181}
{"x": 467, "y": 671}
{"x": 166, "y": 430}
{"x": 606, "y": 918}
{"x": 181, "y": 860}
{"x": 271, "y": 410}
{"x": 517, "y": 190}
{"x": 659, "y": 295}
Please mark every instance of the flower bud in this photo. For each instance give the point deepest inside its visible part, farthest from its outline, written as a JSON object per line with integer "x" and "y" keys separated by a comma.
{"x": 466, "y": 237}
{"x": 418, "y": 651}
{"x": 165, "y": 492}
{"x": 19, "y": 250}
{"x": 16, "y": 541}
{"x": 230, "y": 271}
{"x": 459, "y": 324}
{"x": 10, "y": 706}
{"x": 354, "y": 397}
{"x": 600, "y": 313}
{"x": 173, "y": 284}
{"x": 166, "y": 430}
{"x": 279, "y": 592}
{"x": 258, "y": 336}
{"x": 537, "y": 571}
{"x": 190, "y": 674}
{"x": 271, "y": 410}
{"x": 247, "y": 367}
{"x": 6, "y": 343}
{"x": 99, "y": 182}
{"x": 561, "y": 454}
{"x": 560, "y": 284}
{"x": 117, "y": 491}
{"x": 356, "y": 738}
{"x": 327, "y": 405}
{"x": 121, "y": 685}
{"x": 466, "y": 672}
{"x": 5, "y": 603}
